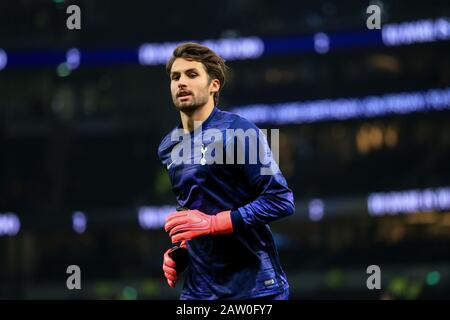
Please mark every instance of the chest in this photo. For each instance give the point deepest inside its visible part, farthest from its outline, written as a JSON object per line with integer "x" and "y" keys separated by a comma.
{"x": 198, "y": 163}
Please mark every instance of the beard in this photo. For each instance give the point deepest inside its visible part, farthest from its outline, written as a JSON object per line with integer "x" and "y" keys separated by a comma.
{"x": 192, "y": 104}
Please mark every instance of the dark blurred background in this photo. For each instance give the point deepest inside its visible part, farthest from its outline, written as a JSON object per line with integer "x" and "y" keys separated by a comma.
{"x": 82, "y": 113}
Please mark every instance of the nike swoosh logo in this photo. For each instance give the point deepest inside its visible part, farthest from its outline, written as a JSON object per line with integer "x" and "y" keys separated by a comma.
{"x": 170, "y": 164}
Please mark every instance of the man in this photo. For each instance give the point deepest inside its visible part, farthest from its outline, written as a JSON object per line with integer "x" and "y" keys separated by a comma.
{"x": 224, "y": 226}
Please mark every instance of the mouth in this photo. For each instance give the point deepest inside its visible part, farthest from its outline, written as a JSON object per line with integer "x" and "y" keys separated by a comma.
{"x": 184, "y": 95}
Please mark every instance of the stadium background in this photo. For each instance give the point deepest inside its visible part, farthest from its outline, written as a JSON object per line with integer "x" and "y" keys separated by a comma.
{"x": 365, "y": 142}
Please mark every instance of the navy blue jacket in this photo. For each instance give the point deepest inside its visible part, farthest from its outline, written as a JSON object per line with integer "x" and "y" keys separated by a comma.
{"x": 244, "y": 264}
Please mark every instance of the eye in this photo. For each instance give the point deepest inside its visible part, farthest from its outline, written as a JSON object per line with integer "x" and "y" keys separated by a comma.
{"x": 175, "y": 77}
{"x": 192, "y": 75}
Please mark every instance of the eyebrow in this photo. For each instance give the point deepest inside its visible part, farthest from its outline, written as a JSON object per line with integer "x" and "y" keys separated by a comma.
{"x": 185, "y": 71}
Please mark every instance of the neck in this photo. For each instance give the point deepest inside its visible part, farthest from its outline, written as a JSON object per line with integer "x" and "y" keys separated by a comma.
{"x": 188, "y": 118}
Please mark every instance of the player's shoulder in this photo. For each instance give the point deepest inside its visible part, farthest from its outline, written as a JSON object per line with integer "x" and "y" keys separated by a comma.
{"x": 235, "y": 121}
{"x": 165, "y": 144}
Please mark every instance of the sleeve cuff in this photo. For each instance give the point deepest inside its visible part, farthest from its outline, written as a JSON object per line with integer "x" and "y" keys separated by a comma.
{"x": 237, "y": 220}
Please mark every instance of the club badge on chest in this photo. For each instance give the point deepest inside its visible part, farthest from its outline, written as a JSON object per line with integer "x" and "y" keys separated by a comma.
{"x": 203, "y": 151}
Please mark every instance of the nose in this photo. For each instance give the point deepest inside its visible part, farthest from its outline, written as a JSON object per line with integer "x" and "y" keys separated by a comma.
{"x": 182, "y": 82}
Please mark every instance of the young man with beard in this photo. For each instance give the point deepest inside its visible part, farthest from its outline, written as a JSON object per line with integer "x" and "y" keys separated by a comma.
{"x": 223, "y": 228}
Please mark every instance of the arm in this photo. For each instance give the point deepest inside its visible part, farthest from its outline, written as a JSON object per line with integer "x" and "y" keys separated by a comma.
{"x": 274, "y": 199}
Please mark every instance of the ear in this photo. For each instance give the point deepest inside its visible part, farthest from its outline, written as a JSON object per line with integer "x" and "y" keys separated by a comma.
{"x": 214, "y": 86}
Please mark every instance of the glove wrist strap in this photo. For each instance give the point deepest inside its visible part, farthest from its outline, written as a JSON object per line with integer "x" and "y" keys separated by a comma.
{"x": 221, "y": 223}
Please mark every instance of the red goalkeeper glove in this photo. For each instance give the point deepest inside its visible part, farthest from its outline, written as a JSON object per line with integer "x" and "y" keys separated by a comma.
{"x": 186, "y": 225}
{"x": 172, "y": 267}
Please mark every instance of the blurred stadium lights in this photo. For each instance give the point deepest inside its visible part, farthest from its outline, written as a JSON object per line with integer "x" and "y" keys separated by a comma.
{"x": 346, "y": 108}
{"x": 73, "y": 58}
{"x": 229, "y": 49}
{"x": 410, "y": 201}
{"x": 377, "y": 204}
{"x": 374, "y": 205}
{"x": 79, "y": 222}
{"x": 3, "y": 59}
{"x": 9, "y": 224}
{"x": 321, "y": 43}
{"x": 63, "y": 70}
{"x": 129, "y": 293}
{"x": 433, "y": 278}
{"x": 150, "y": 54}
{"x": 153, "y": 217}
{"x": 416, "y": 32}
{"x": 316, "y": 209}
